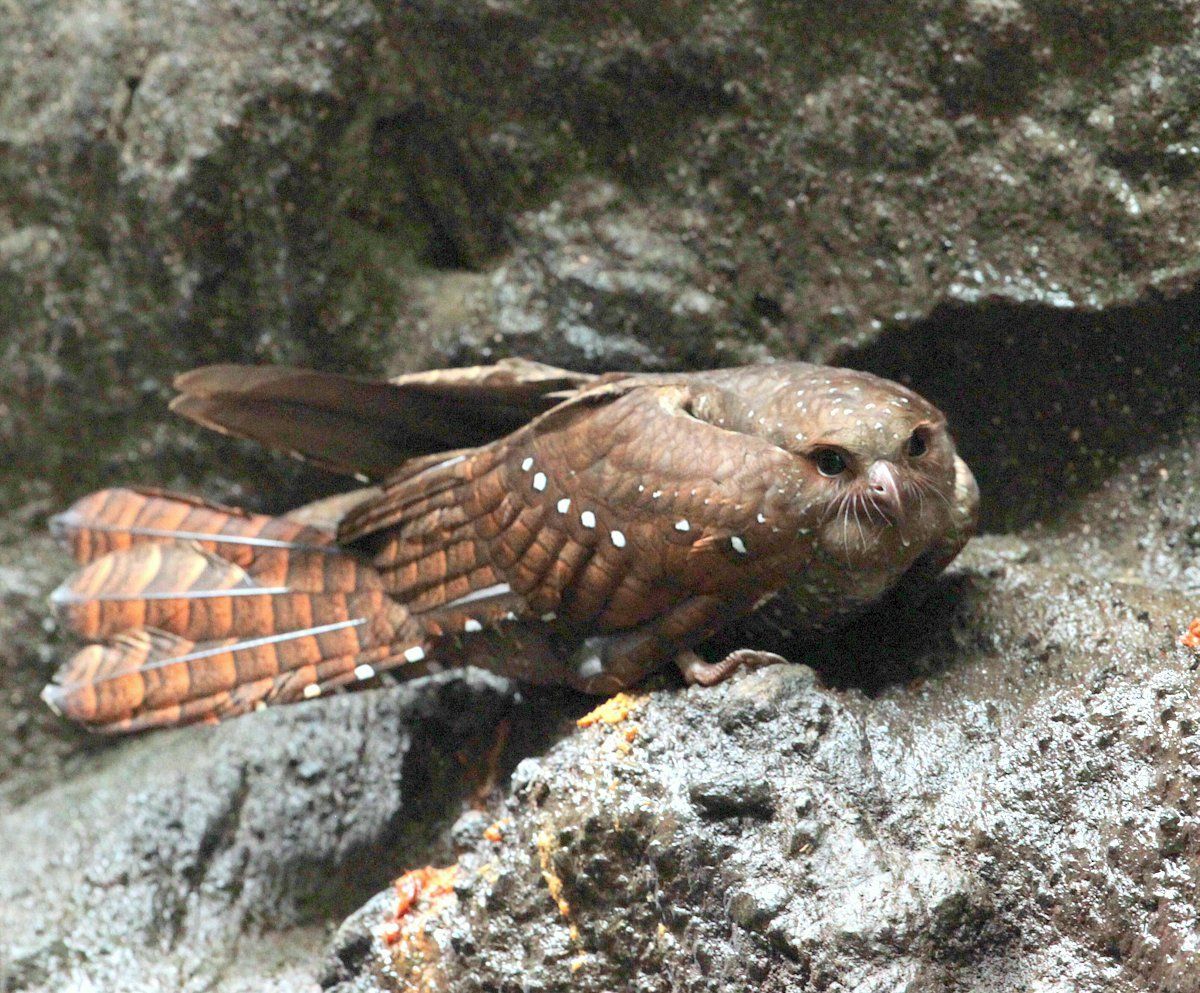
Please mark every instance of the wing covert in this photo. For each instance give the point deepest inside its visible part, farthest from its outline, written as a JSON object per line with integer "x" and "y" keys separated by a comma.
{"x": 613, "y": 509}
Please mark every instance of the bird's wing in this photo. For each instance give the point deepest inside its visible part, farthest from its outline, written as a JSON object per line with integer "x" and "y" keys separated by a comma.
{"x": 368, "y": 427}
{"x": 617, "y": 508}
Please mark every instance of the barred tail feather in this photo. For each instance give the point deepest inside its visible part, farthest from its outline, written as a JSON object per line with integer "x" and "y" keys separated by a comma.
{"x": 201, "y": 613}
{"x": 117, "y": 519}
{"x": 145, "y": 679}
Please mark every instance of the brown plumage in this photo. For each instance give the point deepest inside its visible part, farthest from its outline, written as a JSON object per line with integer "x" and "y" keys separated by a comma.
{"x": 553, "y": 526}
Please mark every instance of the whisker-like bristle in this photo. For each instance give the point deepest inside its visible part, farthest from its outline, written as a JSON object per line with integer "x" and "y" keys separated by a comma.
{"x": 871, "y": 504}
{"x": 856, "y": 501}
{"x": 844, "y": 514}
{"x": 924, "y": 485}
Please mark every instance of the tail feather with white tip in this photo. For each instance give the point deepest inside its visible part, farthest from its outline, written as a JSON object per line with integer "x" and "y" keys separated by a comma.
{"x": 200, "y": 612}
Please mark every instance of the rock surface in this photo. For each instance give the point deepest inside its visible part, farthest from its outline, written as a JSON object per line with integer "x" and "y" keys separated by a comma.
{"x": 991, "y": 199}
{"x": 210, "y": 858}
{"x": 1018, "y": 814}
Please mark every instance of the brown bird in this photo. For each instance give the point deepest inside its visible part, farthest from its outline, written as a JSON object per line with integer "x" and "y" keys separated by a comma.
{"x": 549, "y": 525}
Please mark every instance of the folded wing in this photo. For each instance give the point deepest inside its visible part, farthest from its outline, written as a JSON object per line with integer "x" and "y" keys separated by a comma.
{"x": 368, "y": 427}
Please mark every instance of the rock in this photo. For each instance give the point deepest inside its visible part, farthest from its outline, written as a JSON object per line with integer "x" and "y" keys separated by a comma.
{"x": 35, "y": 747}
{"x": 214, "y": 855}
{"x": 1014, "y": 814}
{"x": 336, "y": 184}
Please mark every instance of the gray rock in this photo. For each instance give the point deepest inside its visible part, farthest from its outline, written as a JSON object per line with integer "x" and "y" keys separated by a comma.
{"x": 213, "y": 856}
{"x": 352, "y": 186}
{"x": 1020, "y": 815}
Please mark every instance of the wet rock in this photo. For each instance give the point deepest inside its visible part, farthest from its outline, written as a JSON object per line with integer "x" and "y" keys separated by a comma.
{"x": 349, "y": 186}
{"x": 726, "y": 796}
{"x": 1026, "y": 808}
{"x": 214, "y": 855}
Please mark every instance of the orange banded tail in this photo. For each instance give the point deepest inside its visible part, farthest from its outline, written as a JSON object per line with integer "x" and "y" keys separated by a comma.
{"x": 201, "y": 612}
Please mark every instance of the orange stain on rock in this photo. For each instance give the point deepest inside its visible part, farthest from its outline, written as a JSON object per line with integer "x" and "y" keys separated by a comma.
{"x": 426, "y": 884}
{"x": 1191, "y": 637}
{"x": 611, "y": 711}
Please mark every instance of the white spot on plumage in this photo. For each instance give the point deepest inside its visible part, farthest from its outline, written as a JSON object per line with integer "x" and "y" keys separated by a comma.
{"x": 618, "y": 539}
{"x": 415, "y": 654}
{"x": 364, "y": 671}
{"x": 527, "y": 464}
{"x": 539, "y": 481}
{"x": 587, "y": 519}
{"x": 564, "y": 505}
{"x": 549, "y": 616}
{"x": 656, "y": 494}
{"x": 471, "y": 625}
{"x": 589, "y": 667}
{"x": 760, "y": 519}
{"x": 682, "y": 525}
{"x": 739, "y": 546}
{"x": 312, "y": 691}
{"x": 499, "y": 589}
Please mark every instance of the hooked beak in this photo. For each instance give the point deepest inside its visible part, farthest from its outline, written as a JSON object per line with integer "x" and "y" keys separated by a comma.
{"x": 884, "y": 489}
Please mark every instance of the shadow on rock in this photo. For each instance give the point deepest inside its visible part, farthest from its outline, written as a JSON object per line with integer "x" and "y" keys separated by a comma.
{"x": 1045, "y": 403}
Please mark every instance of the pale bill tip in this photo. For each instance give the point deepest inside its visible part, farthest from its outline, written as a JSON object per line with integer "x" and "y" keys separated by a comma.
{"x": 50, "y": 694}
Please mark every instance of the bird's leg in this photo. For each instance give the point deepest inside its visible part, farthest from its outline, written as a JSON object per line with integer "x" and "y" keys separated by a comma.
{"x": 697, "y": 672}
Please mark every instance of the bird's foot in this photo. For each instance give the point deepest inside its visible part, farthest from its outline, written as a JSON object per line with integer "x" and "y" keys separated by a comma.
{"x": 697, "y": 672}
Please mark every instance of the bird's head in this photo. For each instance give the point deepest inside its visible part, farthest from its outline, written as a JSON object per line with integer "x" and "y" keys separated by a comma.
{"x": 877, "y": 461}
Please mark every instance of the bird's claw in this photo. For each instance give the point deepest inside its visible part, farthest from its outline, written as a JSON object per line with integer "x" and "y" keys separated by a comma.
{"x": 697, "y": 672}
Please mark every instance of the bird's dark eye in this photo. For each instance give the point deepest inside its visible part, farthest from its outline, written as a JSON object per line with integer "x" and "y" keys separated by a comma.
{"x": 830, "y": 462}
{"x": 918, "y": 443}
